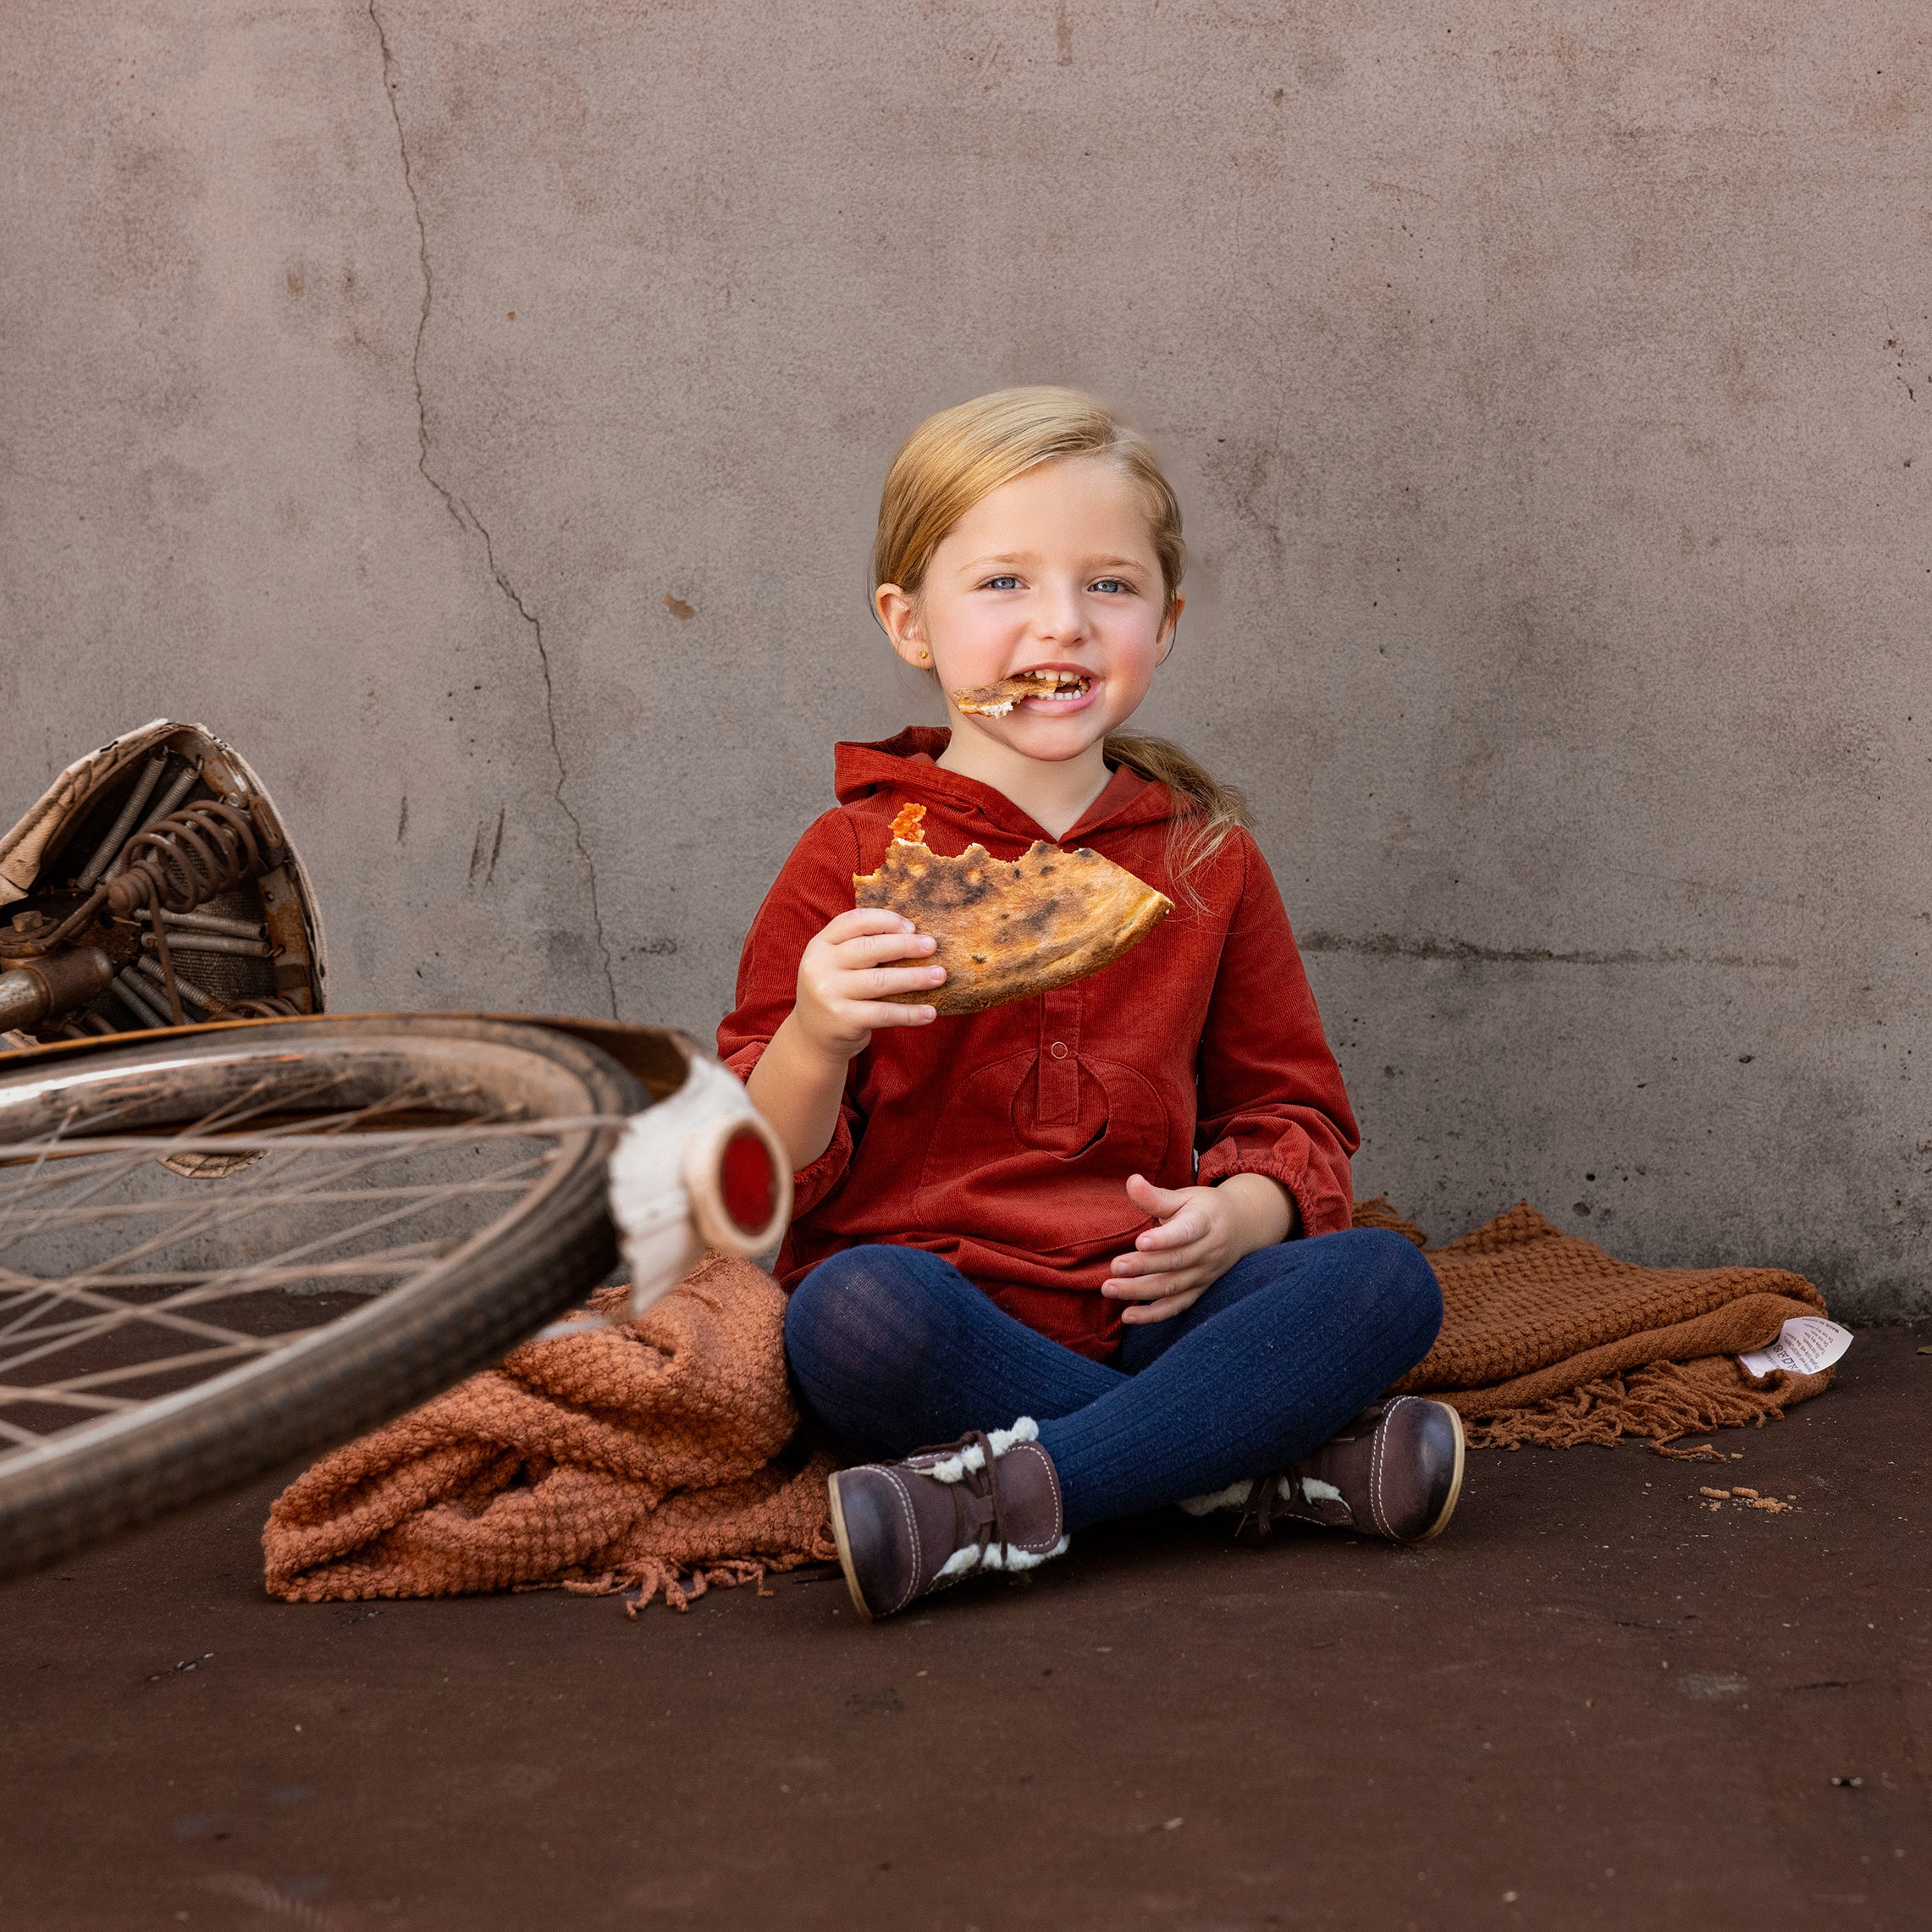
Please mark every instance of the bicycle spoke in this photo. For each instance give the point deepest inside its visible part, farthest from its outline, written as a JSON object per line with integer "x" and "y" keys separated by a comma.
{"x": 75, "y": 1388}
{"x": 108, "y": 1172}
{"x": 239, "y": 1279}
{"x": 159, "y": 1295}
{"x": 199, "y": 1215}
{"x": 124, "y": 1209}
{"x": 389, "y": 1262}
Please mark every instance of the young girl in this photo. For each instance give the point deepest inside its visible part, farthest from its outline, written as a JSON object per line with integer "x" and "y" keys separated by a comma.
{"x": 1099, "y": 1236}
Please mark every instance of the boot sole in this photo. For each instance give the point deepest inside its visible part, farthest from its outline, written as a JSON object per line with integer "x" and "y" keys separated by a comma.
{"x": 1441, "y": 1523}
{"x": 864, "y": 1609}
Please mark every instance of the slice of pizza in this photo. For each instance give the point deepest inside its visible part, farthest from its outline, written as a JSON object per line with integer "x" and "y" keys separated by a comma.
{"x": 995, "y": 700}
{"x": 1009, "y": 928}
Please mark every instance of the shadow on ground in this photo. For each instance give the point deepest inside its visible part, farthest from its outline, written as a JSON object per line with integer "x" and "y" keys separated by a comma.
{"x": 1595, "y": 1702}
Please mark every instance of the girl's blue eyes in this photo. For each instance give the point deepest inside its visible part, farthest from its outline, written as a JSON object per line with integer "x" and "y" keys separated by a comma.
{"x": 1111, "y": 584}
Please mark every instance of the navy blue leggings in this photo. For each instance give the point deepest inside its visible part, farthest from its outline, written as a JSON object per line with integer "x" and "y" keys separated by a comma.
{"x": 894, "y": 1349}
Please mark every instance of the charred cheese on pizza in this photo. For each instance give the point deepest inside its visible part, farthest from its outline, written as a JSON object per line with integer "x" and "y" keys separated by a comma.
{"x": 1009, "y": 928}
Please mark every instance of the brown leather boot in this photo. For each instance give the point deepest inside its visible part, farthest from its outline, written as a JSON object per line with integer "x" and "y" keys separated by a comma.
{"x": 1395, "y": 1471}
{"x": 986, "y": 1502}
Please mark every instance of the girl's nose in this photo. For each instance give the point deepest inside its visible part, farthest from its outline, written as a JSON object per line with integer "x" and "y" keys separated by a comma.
{"x": 1061, "y": 616}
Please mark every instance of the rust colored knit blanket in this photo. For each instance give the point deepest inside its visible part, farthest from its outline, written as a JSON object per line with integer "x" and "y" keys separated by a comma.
{"x": 1546, "y": 1338}
{"x": 655, "y": 1456}
{"x": 661, "y": 1456}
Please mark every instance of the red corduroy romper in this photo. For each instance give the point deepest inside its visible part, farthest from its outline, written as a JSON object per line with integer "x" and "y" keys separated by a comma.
{"x": 1003, "y": 1140}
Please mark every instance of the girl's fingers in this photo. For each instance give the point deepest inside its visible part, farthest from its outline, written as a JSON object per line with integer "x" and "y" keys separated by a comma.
{"x": 878, "y": 981}
{"x": 862, "y": 920}
{"x": 868, "y": 949}
{"x": 1158, "y": 1201}
{"x": 835, "y": 989}
{"x": 1186, "y": 1228}
{"x": 1160, "y": 1260}
{"x": 868, "y": 1016}
{"x": 1164, "y": 1310}
{"x": 1148, "y": 1258}
{"x": 1157, "y": 1272}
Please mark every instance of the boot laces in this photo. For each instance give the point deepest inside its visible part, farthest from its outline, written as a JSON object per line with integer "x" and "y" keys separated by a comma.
{"x": 980, "y": 1521}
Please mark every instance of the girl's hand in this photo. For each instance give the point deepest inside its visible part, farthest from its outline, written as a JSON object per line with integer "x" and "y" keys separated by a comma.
{"x": 847, "y": 971}
{"x": 1204, "y": 1231}
{"x": 843, "y": 975}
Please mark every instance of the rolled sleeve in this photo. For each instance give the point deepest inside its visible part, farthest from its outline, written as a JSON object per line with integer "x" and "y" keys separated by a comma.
{"x": 1272, "y": 1097}
{"x": 1322, "y": 1206}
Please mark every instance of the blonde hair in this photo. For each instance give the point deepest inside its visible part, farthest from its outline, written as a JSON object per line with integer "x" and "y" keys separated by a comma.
{"x": 959, "y": 458}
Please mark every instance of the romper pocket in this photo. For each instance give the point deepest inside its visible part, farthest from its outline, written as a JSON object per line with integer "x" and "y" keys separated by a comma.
{"x": 990, "y": 1171}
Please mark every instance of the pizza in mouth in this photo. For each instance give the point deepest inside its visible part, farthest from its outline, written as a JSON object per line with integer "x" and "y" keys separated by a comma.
{"x": 1009, "y": 928}
{"x": 995, "y": 700}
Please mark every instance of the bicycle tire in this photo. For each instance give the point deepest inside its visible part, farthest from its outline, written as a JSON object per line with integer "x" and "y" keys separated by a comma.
{"x": 467, "y": 1311}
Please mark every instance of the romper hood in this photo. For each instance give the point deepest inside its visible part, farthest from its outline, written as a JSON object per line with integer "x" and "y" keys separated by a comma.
{"x": 902, "y": 766}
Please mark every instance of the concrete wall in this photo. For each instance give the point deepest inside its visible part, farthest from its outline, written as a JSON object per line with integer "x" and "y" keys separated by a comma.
{"x": 477, "y": 411}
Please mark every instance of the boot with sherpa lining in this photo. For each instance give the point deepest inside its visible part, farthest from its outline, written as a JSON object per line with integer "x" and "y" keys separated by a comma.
{"x": 1395, "y": 1471}
{"x": 986, "y": 1502}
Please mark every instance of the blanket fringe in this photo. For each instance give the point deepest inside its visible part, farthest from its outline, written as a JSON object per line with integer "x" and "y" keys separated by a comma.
{"x": 681, "y": 1584}
{"x": 1664, "y": 1401}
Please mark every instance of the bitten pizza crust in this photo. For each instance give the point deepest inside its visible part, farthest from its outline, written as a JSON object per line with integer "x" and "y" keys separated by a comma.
{"x": 995, "y": 700}
{"x": 1009, "y": 928}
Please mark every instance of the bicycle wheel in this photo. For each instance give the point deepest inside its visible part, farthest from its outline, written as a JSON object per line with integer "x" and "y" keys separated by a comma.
{"x": 220, "y": 1250}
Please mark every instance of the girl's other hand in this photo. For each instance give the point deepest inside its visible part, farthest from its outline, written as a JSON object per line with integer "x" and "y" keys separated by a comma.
{"x": 845, "y": 973}
{"x": 1204, "y": 1231}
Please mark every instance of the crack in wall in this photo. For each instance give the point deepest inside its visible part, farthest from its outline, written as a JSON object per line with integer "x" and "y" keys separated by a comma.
{"x": 471, "y": 525}
{"x": 1391, "y": 945}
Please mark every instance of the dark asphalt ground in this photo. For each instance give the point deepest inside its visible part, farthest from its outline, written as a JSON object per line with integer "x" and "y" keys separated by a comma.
{"x": 1592, "y": 1704}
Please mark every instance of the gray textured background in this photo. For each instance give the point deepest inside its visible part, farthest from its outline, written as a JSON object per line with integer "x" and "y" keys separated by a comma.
{"x": 1544, "y": 383}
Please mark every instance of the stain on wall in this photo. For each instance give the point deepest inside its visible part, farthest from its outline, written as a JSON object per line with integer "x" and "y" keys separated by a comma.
{"x": 478, "y": 414}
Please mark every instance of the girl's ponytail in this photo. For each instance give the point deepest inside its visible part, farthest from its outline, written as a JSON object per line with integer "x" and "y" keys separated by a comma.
{"x": 1208, "y": 810}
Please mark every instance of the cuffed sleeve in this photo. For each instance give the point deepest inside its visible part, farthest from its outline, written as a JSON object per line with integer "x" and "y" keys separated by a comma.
{"x": 1272, "y": 1097}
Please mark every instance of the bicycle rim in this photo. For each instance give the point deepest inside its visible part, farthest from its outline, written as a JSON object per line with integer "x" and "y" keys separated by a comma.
{"x": 224, "y": 1251}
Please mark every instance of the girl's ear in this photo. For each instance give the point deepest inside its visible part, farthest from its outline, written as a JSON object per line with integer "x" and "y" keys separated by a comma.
{"x": 1170, "y": 625}
{"x": 899, "y": 618}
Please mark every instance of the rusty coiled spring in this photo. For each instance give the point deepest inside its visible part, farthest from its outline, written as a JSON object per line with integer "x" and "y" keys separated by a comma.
{"x": 178, "y": 863}
{"x": 175, "y": 865}
{"x": 184, "y": 860}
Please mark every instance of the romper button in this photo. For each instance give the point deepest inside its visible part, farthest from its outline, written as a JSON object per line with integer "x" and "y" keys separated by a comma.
{"x": 1058, "y": 1049}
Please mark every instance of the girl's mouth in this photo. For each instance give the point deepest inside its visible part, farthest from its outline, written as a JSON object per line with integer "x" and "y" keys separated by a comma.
{"x": 1073, "y": 692}
{"x": 1047, "y": 688}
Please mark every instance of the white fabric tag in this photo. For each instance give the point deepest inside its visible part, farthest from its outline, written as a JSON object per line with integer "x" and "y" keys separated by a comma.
{"x": 1805, "y": 1344}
